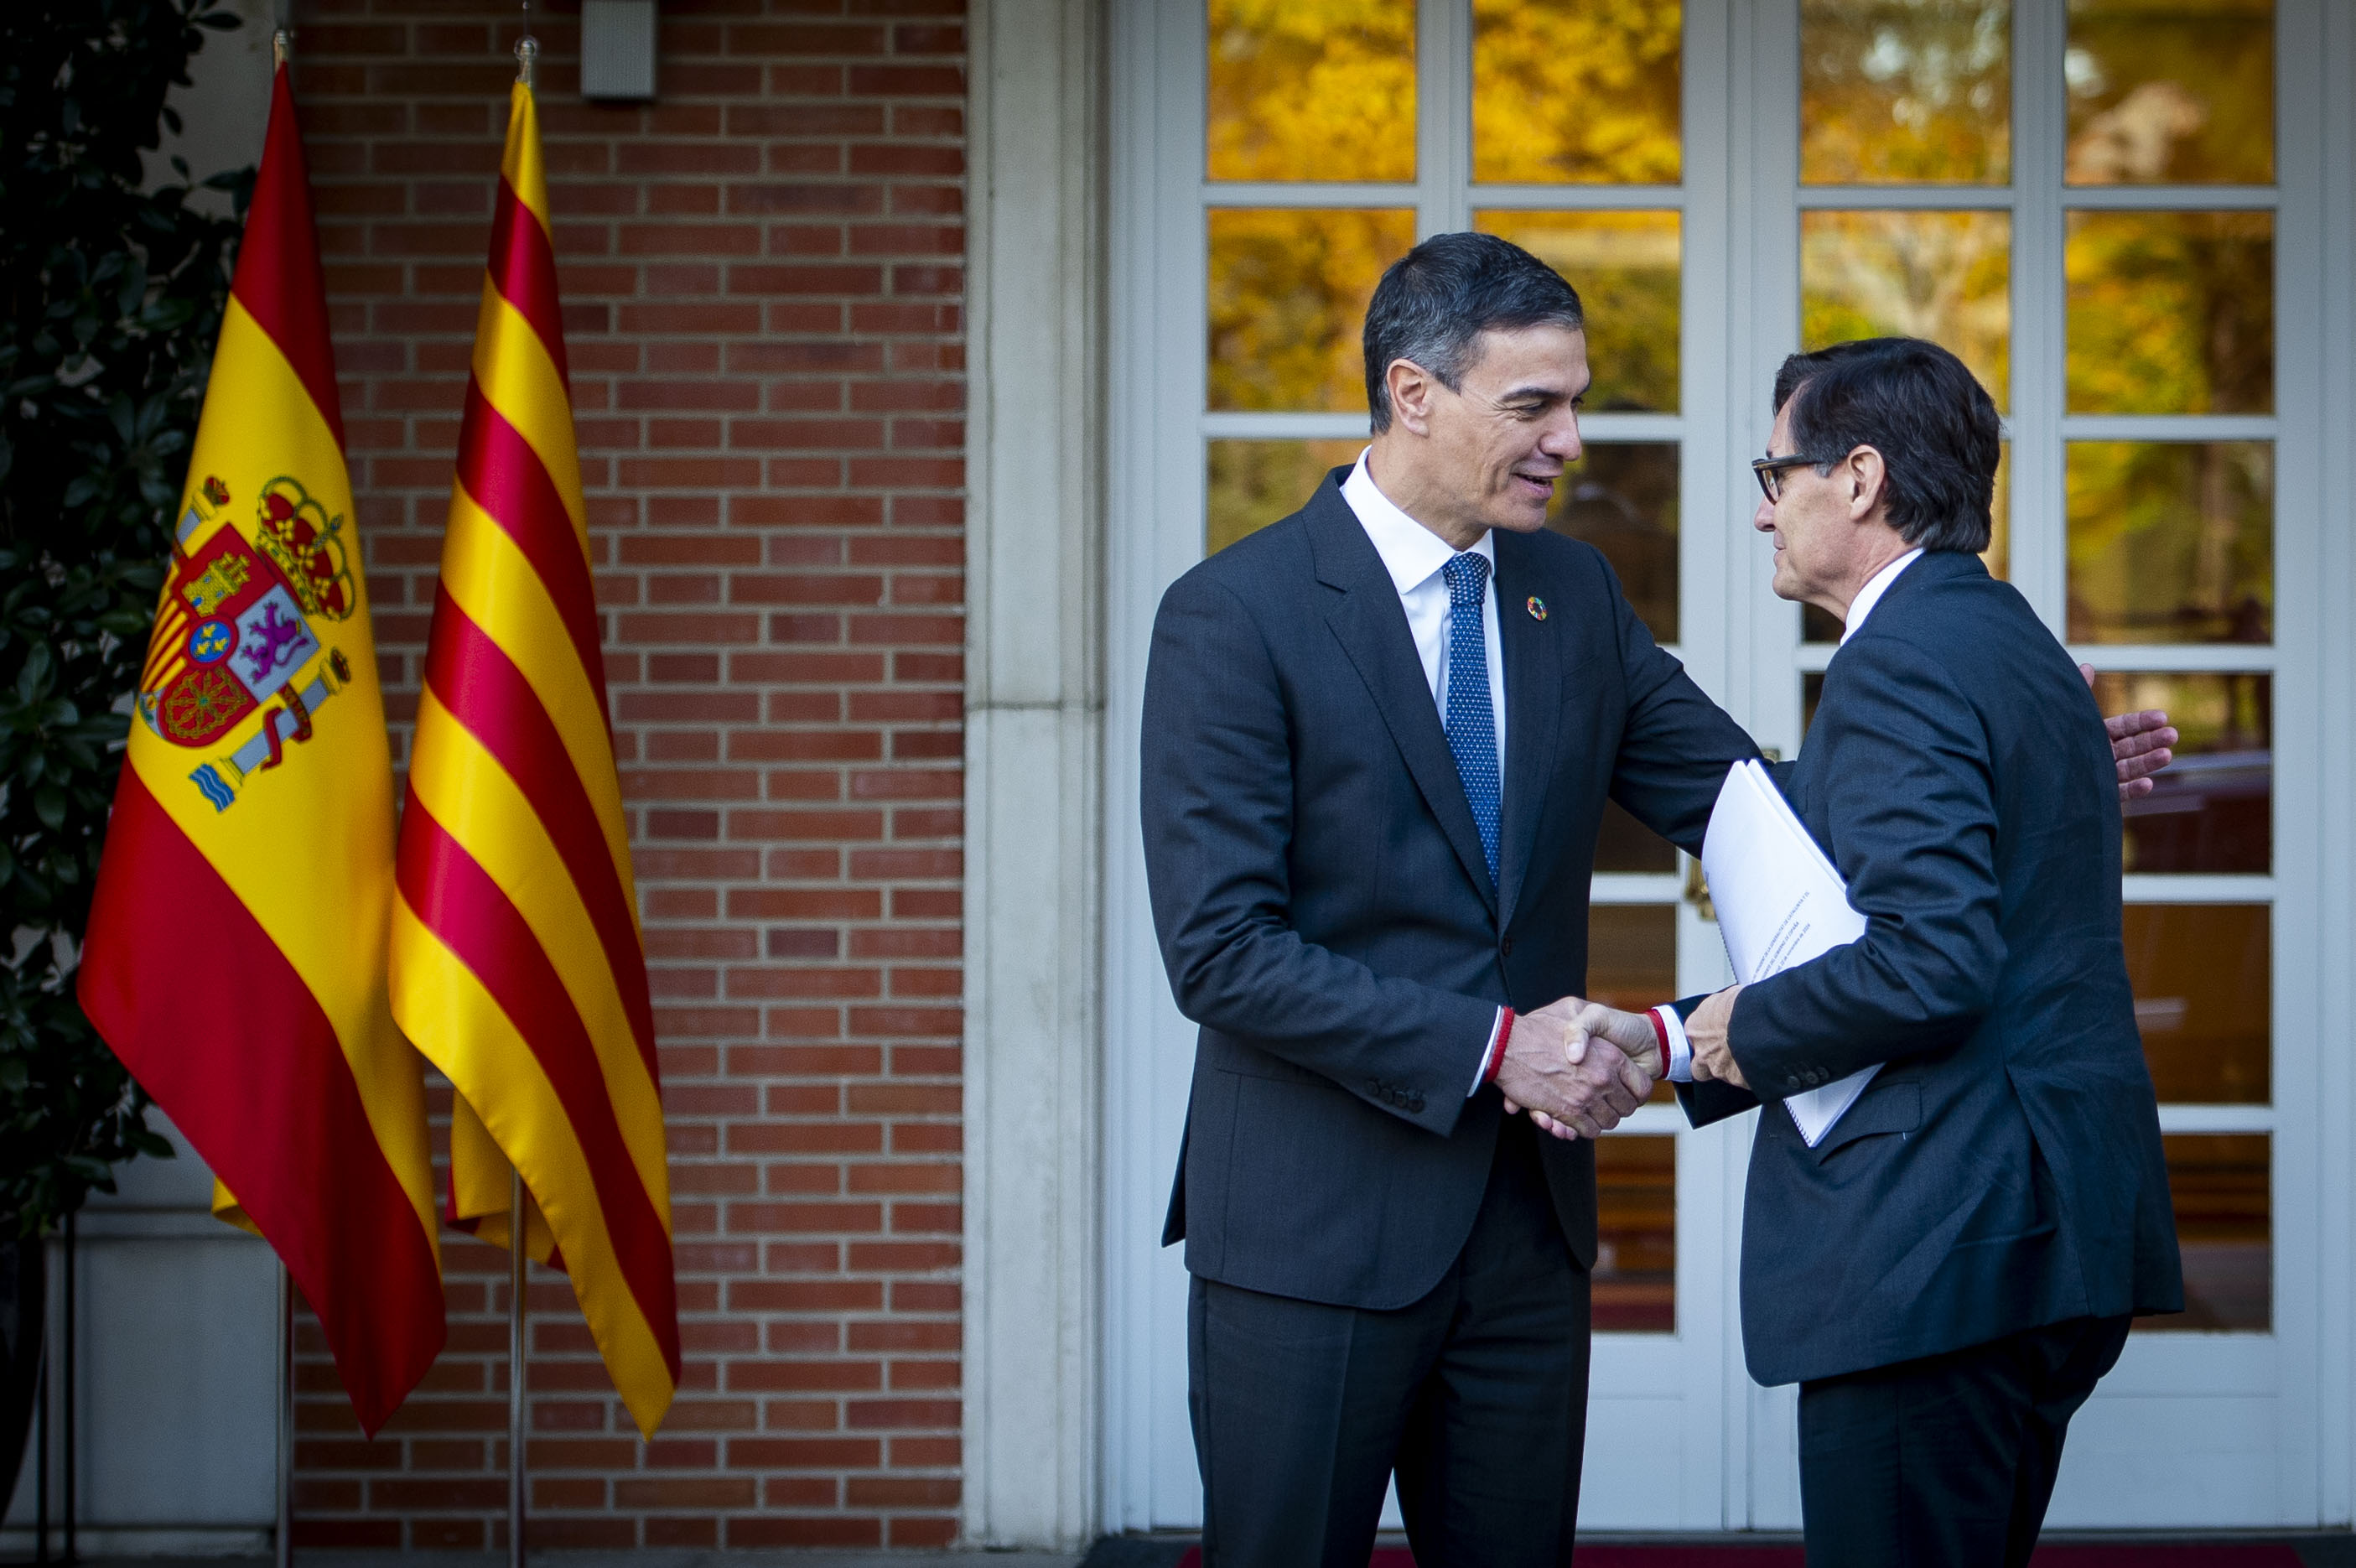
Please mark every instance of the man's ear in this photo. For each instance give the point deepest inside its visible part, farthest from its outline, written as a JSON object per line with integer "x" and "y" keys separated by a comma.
{"x": 1867, "y": 477}
{"x": 1410, "y": 387}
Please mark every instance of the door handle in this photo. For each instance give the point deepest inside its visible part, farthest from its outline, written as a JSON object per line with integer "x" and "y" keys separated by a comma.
{"x": 1697, "y": 889}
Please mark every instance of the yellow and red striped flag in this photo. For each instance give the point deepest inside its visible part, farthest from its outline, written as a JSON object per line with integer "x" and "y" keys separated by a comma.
{"x": 517, "y": 962}
{"x": 235, "y": 959}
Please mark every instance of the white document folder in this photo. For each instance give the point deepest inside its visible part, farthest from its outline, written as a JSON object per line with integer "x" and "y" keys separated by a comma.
{"x": 1780, "y": 903}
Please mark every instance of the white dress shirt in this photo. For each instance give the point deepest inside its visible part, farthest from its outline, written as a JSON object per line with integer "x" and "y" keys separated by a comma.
{"x": 1414, "y": 556}
{"x": 1680, "y": 1062}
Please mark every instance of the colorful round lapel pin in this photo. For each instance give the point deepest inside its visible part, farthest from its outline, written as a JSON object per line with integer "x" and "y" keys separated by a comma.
{"x": 1538, "y": 608}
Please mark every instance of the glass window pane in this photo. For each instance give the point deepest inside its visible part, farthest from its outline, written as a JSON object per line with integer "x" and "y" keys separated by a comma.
{"x": 1624, "y": 266}
{"x": 1946, "y": 277}
{"x": 2171, "y": 312}
{"x": 1631, "y": 960}
{"x": 2171, "y": 92}
{"x": 1575, "y": 91}
{"x": 2225, "y": 1228}
{"x": 1253, "y": 483}
{"x": 1310, "y": 92}
{"x": 1905, "y": 91}
{"x": 2212, "y": 809}
{"x": 1288, "y": 300}
{"x": 2172, "y": 542}
{"x": 2203, "y": 983}
{"x": 1623, "y": 844}
{"x": 1621, "y": 497}
{"x": 1635, "y": 1278}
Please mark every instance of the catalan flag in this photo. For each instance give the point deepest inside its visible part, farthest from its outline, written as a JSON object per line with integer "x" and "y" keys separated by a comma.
{"x": 235, "y": 958}
{"x": 517, "y": 964}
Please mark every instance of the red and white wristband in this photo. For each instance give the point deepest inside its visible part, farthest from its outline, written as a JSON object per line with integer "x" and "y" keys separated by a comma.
{"x": 1677, "y": 1051}
{"x": 1496, "y": 1056}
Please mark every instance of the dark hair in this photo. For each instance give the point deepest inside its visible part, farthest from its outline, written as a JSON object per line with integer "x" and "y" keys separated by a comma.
{"x": 1435, "y": 302}
{"x": 1914, "y": 403}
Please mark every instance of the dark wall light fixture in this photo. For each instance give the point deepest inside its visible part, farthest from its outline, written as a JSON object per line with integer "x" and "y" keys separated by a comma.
{"x": 617, "y": 50}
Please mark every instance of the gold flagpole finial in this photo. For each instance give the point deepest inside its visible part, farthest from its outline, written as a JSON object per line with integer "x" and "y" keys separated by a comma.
{"x": 282, "y": 48}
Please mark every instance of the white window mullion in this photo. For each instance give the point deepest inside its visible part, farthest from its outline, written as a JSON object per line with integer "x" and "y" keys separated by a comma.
{"x": 2039, "y": 564}
{"x": 1443, "y": 114}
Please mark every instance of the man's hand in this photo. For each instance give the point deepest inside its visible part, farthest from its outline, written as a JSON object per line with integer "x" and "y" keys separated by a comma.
{"x": 1713, "y": 1058}
{"x": 1587, "y": 1094}
{"x": 1629, "y": 1036}
{"x": 2139, "y": 745}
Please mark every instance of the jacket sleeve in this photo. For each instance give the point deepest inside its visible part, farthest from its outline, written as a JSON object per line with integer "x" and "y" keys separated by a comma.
{"x": 1911, "y": 814}
{"x": 1216, "y": 788}
{"x": 1677, "y": 744}
{"x": 1704, "y": 1103}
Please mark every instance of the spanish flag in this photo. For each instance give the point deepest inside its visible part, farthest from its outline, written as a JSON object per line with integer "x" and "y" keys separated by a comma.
{"x": 517, "y": 964}
{"x": 235, "y": 959}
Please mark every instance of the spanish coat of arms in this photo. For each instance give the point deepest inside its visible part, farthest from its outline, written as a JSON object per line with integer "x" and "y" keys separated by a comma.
{"x": 235, "y": 631}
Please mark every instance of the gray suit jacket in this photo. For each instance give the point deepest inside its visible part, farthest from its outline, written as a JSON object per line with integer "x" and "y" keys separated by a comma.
{"x": 2004, "y": 1169}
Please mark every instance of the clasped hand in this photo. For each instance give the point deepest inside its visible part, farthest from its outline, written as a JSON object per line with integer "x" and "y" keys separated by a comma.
{"x": 1570, "y": 1090}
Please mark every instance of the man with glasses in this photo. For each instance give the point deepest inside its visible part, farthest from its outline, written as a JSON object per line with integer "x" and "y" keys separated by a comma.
{"x": 1378, "y": 738}
{"x": 1950, "y": 1267}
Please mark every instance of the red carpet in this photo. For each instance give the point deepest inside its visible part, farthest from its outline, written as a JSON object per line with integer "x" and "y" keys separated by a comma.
{"x": 2156, "y": 1555}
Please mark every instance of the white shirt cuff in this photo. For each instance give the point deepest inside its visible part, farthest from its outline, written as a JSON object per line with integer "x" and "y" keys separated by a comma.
{"x": 1488, "y": 1055}
{"x": 1680, "y": 1048}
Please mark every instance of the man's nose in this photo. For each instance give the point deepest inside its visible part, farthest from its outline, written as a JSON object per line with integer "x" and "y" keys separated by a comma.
{"x": 1561, "y": 441}
{"x": 1764, "y": 518}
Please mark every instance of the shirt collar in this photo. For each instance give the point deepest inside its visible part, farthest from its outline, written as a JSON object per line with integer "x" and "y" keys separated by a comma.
{"x": 1870, "y": 594}
{"x": 1411, "y": 552}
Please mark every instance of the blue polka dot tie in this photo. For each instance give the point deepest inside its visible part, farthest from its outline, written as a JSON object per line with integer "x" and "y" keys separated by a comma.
{"x": 1471, "y": 722}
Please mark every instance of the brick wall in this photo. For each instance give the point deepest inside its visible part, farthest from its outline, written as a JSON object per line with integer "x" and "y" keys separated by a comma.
{"x": 762, "y": 278}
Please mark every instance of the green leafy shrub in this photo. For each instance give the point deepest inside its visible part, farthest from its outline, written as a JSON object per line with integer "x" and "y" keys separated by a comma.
{"x": 113, "y": 295}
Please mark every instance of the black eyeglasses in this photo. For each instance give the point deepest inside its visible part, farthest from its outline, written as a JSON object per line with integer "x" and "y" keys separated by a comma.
{"x": 1769, "y": 471}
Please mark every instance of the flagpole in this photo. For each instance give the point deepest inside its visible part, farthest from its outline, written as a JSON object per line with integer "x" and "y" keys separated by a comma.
{"x": 285, "y": 1548}
{"x": 527, "y": 53}
{"x": 516, "y": 1260}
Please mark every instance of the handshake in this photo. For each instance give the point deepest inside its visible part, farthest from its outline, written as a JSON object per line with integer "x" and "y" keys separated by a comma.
{"x": 1578, "y": 1066}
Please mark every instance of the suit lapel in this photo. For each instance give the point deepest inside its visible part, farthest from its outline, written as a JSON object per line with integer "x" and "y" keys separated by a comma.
{"x": 1370, "y": 623}
{"x": 1531, "y": 650}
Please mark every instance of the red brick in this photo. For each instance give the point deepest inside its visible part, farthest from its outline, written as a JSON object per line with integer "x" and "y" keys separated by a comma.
{"x": 763, "y": 280}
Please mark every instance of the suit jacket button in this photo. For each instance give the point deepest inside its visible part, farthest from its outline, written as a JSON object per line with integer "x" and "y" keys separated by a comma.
{"x": 1505, "y": 947}
{"x": 1416, "y": 1104}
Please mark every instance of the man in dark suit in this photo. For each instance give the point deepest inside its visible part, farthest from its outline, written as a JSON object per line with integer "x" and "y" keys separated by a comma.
{"x": 1951, "y": 1268}
{"x": 1377, "y": 740}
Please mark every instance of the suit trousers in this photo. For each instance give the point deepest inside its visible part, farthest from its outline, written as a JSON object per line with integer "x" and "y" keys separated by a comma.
{"x": 1476, "y": 1395}
{"x": 1946, "y": 1462}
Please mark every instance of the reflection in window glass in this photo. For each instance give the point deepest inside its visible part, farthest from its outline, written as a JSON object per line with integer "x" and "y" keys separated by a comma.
{"x": 2212, "y": 809}
{"x": 2225, "y": 1228}
{"x": 2172, "y": 542}
{"x": 1310, "y": 92}
{"x": 2171, "y": 92}
{"x": 2171, "y": 312}
{"x": 1635, "y": 1278}
{"x": 1623, "y": 844}
{"x": 1905, "y": 91}
{"x": 1942, "y": 276}
{"x": 1624, "y": 266}
{"x": 1253, "y": 483}
{"x": 1575, "y": 91}
{"x": 1818, "y": 626}
{"x": 1288, "y": 301}
{"x": 2203, "y": 975}
{"x": 1631, "y": 960}
{"x": 1623, "y": 499}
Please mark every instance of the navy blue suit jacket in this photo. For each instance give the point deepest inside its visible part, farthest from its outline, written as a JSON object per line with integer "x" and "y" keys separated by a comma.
{"x": 2003, "y": 1170}
{"x": 1325, "y": 908}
